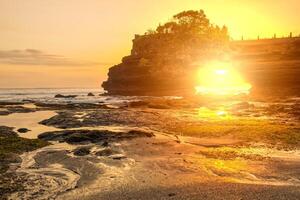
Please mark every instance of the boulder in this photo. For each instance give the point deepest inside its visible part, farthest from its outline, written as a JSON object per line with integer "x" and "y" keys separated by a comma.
{"x": 23, "y": 130}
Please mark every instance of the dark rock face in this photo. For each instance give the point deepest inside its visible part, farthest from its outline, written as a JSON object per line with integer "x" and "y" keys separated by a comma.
{"x": 132, "y": 79}
{"x": 91, "y": 94}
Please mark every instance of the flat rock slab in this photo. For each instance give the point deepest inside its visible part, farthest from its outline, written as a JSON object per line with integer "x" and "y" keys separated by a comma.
{"x": 94, "y": 136}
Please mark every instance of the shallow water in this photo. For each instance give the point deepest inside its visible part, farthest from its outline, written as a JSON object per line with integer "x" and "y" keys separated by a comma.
{"x": 29, "y": 121}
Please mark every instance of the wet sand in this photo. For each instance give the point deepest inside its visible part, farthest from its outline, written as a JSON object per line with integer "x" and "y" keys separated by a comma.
{"x": 161, "y": 168}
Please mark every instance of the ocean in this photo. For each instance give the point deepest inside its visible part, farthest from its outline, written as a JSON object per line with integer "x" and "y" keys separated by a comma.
{"x": 47, "y": 95}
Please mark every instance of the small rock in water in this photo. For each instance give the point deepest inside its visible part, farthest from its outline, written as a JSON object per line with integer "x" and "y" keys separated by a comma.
{"x": 91, "y": 94}
{"x": 82, "y": 151}
{"x": 64, "y": 96}
{"x": 23, "y": 130}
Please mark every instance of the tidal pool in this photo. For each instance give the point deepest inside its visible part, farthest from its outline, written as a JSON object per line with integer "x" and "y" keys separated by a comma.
{"x": 29, "y": 121}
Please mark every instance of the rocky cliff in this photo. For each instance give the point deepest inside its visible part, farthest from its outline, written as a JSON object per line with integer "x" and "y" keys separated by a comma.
{"x": 272, "y": 66}
{"x": 162, "y": 62}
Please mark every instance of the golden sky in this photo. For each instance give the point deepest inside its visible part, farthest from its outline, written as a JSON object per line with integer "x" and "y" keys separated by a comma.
{"x": 71, "y": 43}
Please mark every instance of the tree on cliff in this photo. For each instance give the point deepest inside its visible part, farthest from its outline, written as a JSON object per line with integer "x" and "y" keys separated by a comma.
{"x": 192, "y": 23}
{"x": 189, "y": 32}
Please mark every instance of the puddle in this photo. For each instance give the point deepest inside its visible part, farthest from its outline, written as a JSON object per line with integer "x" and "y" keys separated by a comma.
{"x": 29, "y": 121}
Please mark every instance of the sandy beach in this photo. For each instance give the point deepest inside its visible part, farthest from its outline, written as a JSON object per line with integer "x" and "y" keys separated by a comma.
{"x": 161, "y": 149}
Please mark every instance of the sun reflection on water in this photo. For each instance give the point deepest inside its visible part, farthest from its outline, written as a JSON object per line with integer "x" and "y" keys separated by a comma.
{"x": 217, "y": 113}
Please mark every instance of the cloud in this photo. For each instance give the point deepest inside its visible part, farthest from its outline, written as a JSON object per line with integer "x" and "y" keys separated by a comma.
{"x": 37, "y": 57}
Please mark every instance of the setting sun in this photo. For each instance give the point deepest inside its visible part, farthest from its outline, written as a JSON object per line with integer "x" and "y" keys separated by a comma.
{"x": 149, "y": 99}
{"x": 220, "y": 78}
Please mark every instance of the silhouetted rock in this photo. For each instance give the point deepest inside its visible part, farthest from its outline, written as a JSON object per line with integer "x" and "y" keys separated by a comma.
{"x": 164, "y": 61}
{"x": 91, "y": 94}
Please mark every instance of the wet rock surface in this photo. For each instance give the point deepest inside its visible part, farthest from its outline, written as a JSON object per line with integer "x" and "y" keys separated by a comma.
{"x": 106, "y": 117}
{"x": 67, "y": 106}
{"x": 202, "y": 119}
{"x": 6, "y": 109}
{"x": 93, "y": 136}
{"x": 82, "y": 151}
{"x": 65, "y": 119}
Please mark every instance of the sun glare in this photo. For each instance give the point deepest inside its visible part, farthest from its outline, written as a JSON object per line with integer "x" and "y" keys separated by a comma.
{"x": 220, "y": 78}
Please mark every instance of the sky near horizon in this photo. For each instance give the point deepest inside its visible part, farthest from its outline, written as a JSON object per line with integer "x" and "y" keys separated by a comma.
{"x": 72, "y": 43}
